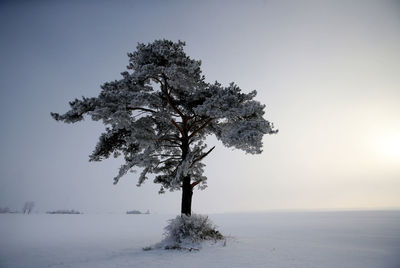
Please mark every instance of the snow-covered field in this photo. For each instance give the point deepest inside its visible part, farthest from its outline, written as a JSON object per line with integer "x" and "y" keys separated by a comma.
{"x": 275, "y": 239}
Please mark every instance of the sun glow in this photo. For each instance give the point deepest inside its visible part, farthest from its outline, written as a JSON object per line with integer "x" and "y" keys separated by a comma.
{"x": 389, "y": 146}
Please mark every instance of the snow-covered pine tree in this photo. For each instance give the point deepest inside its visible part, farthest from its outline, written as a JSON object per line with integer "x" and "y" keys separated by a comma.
{"x": 159, "y": 114}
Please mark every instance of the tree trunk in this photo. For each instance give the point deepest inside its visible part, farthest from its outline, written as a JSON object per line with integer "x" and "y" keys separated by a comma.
{"x": 187, "y": 193}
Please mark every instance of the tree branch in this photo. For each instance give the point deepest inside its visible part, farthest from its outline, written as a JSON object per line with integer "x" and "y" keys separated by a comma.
{"x": 195, "y": 183}
{"x": 169, "y": 99}
{"x": 200, "y": 128}
{"x": 201, "y": 157}
{"x": 166, "y": 155}
{"x": 154, "y": 78}
{"x": 169, "y": 159}
{"x": 178, "y": 127}
{"x": 143, "y": 109}
{"x": 172, "y": 146}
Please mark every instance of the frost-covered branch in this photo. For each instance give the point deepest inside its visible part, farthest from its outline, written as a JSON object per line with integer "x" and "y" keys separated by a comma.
{"x": 178, "y": 127}
{"x": 201, "y": 157}
{"x": 164, "y": 88}
{"x": 143, "y": 109}
{"x": 200, "y": 128}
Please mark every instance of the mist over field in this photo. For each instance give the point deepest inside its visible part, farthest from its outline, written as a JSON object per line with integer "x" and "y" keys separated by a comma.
{"x": 326, "y": 71}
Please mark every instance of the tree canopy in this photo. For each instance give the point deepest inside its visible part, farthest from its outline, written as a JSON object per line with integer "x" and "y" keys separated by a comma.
{"x": 160, "y": 113}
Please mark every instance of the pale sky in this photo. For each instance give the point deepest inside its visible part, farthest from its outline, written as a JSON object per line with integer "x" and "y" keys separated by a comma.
{"x": 328, "y": 71}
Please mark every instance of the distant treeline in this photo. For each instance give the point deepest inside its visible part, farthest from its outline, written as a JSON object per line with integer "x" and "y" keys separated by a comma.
{"x": 137, "y": 212}
{"x": 7, "y": 210}
{"x": 64, "y": 211}
{"x": 26, "y": 209}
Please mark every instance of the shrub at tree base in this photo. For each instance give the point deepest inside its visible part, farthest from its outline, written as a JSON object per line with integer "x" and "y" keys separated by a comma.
{"x": 188, "y": 232}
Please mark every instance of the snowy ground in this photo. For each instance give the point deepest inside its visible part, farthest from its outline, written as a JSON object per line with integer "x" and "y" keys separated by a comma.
{"x": 276, "y": 239}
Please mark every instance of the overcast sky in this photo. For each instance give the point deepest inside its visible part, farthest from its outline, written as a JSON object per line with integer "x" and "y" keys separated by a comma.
{"x": 328, "y": 71}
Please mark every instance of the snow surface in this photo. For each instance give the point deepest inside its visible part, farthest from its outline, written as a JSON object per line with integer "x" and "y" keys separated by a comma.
{"x": 274, "y": 239}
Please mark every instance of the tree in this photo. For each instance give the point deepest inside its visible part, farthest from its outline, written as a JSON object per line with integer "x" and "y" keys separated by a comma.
{"x": 159, "y": 114}
{"x": 28, "y": 207}
{"x": 4, "y": 210}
